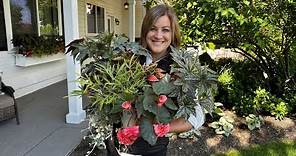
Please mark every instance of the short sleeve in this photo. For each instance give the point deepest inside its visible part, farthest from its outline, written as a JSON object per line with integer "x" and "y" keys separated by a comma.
{"x": 197, "y": 119}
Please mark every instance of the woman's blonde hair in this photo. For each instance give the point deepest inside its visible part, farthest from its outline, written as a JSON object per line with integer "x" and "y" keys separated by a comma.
{"x": 153, "y": 15}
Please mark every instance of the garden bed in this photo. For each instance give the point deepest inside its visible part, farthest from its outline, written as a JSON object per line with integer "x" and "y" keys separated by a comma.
{"x": 209, "y": 143}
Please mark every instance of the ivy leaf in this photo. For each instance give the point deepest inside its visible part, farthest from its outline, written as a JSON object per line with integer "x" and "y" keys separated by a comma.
{"x": 147, "y": 131}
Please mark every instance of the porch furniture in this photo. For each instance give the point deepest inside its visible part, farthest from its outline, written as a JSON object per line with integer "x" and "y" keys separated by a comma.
{"x": 8, "y": 106}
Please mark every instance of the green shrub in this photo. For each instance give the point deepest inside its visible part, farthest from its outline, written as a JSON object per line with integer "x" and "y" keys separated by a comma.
{"x": 280, "y": 110}
{"x": 262, "y": 100}
{"x": 236, "y": 88}
{"x": 265, "y": 102}
{"x": 226, "y": 78}
{"x": 239, "y": 89}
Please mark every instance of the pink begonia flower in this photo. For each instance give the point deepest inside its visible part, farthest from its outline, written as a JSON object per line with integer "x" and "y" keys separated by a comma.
{"x": 128, "y": 135}
{"x": 152, "y": 78}
{"x": 127, "y": 105}
{"x": 161, "y": 129}
{"x": 161, "y": 100}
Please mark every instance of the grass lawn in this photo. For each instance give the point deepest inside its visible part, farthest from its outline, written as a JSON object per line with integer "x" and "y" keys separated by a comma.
{"x": 280, "y": 148}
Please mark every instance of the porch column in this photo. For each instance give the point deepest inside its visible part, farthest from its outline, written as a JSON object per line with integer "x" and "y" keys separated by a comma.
{"x": 76, "y": 113}
{"x": 131, "y": 20}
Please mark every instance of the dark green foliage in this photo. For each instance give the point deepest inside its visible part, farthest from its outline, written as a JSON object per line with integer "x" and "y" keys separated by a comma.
{"x": 98, "y": 50}
{"x": 147, "y": 131}
{"x": 33, "y": 45}
{"x": 238, "y": 90}
{"x": 264, "y": 101}
{"x": 262, "y": 31}
{"x": 237, "y": 82}
{"x": 198, "y": 83}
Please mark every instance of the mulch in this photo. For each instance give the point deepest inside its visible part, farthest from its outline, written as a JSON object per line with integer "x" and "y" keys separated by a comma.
{"x": 208, "y": 142}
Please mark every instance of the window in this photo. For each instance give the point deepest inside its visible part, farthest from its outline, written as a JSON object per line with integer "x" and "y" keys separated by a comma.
{"x": 36, "y": 17}
{"x": 48, "y": 17}
{"x": 95, "y": 18}
{"x": 110, "y": 24}
{"x": 23, "y": 17}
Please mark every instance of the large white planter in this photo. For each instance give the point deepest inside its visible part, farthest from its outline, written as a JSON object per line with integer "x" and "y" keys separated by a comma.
{"x": 23, "y": 61}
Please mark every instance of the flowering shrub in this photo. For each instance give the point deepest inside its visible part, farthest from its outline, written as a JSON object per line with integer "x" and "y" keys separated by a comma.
{"x": 137, "y": 97}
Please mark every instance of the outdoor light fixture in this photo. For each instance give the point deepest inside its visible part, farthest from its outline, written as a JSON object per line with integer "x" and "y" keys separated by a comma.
{"x": 116, "y": 21}
{"x": 125, "y": 5}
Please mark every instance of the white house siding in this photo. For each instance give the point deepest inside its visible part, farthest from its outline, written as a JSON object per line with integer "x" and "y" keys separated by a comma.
{"x": 140, "y": 13}
{"x": 26, "y": 80}
{"x": 113, "y": 8}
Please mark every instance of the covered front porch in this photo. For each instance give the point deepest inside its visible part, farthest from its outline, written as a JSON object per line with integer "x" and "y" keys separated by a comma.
{"x": 42, "y": 129}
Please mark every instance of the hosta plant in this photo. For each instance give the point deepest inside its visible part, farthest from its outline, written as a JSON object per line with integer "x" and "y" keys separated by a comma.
{"x": 254, "y": 121}
{"x": 223, "y": 126}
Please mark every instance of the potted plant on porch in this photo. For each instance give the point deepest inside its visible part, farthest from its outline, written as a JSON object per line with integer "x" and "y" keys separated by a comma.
{"x": 32, "y": 49}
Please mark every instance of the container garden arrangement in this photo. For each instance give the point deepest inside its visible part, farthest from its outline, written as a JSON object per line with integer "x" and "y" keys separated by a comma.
{"x": 129, "y": 100}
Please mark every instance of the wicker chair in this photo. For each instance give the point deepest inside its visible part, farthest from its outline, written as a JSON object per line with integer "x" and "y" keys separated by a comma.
{"x": 8, "y": 106}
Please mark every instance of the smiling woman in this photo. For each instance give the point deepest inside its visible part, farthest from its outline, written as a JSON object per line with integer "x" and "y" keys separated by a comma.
{"x": 159, "y": 38}
{"x": 160, "y": 35}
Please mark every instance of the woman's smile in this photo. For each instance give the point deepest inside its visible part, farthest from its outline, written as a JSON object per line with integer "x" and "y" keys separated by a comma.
{"x": 159, "y": 37}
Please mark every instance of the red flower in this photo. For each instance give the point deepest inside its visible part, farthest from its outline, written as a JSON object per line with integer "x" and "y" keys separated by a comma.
{"x": 161, "y": 100}
{"x": 127, "y": 105}
{"x": 161, "y": 129}
{"x": 128, "y": 135}
{"x": 152, "y": 78}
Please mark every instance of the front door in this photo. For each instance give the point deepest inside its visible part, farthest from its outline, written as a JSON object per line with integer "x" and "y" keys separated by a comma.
{"x": 3, "y": 41}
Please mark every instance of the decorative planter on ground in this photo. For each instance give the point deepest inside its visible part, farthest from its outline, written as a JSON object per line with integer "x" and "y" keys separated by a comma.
{"x": 23, "y": 61}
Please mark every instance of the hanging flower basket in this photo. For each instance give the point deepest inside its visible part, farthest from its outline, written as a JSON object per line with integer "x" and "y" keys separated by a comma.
{"x": 23, "y": 61}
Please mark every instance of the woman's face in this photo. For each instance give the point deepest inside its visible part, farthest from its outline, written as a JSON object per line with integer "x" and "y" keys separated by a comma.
{"x": 159, "y": 37}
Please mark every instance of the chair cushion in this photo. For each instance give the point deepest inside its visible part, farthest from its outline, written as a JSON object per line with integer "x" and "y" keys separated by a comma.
{"x": 6, "y": 101}
{"x": 7, "y": 109}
